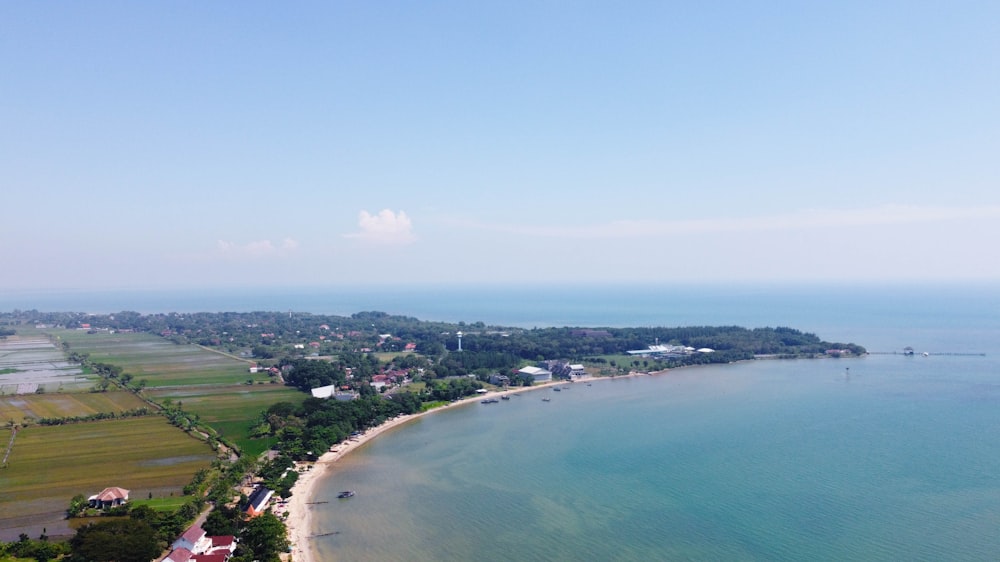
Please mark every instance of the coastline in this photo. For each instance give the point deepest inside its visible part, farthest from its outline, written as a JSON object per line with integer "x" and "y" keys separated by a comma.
{"x": 299, "y": 520}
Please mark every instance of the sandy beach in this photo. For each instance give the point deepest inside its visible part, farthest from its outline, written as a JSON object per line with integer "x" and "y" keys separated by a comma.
{"x": 299, "y": 516}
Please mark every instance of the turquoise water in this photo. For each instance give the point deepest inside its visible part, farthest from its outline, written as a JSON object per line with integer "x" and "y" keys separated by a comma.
{"x": 772, "y": 460}
{"x": 880, "y": 458}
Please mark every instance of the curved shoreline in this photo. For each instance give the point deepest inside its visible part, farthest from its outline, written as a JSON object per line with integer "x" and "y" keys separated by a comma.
{"x": 299, "y": 520}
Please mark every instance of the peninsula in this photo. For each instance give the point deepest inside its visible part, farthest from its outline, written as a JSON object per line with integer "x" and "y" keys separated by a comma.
{"x": 277, "y": 396}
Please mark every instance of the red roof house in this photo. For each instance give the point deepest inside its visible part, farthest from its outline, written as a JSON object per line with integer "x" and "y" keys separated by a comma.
{"x": 109, "y": 497}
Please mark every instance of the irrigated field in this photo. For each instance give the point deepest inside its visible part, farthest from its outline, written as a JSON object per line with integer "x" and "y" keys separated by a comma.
{"x": 230, "y": 409}
{"x": 30, "y": 362}
{"x": 37, "y": 406}
{"x": 50, "y": 465}
{"x": 159, "y": 361}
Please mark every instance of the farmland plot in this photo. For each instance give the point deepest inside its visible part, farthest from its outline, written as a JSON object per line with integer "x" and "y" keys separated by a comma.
{"x": 230, "y": 410}
{"x": 19, "y": 407}
{"x": 50, "y": 465}
{"x": 30, "y": 363}
{"x": 161, "y": 362}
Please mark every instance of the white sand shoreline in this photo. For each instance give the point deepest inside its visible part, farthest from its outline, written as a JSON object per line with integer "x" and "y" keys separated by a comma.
{"x": 299, "y": 515}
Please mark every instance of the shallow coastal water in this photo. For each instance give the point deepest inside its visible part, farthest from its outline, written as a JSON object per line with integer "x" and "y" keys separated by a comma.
{"x": 775, "y": 460}
{"x": 881, "y": 458}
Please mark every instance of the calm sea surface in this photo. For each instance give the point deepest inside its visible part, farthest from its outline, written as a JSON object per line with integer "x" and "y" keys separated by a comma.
{"x": 880, "y": 458}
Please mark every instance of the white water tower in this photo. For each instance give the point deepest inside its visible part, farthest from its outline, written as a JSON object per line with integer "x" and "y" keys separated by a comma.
{"x": 459, "y": 334}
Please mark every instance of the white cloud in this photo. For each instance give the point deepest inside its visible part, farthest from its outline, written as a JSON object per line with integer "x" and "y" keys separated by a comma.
{"x": 256, "y": 248}
{"x": 806, "y": 219}
{"x": 386, "y": 227}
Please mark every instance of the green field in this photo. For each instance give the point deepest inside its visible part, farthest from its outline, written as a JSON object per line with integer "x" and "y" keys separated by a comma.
{"x": 36, "y": 406}
{"x": 159, "y": 361}
{"x": 50, "y": 465}
{"x": 230, "y": 409}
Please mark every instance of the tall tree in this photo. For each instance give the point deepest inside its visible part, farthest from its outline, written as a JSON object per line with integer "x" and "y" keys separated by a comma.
{"x": 123, "y": 540}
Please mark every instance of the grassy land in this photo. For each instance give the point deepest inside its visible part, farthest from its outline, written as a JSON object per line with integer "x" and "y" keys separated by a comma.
{"x": 230, "y": 409}
{"x": 18, "y": 407}
{"x": 169, "y": 503}
{"x": 159, "y": 361}
{"x": 50, "y": 465}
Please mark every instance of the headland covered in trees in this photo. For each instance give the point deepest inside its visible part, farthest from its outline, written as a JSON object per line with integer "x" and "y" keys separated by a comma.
{"x": 350, "y": 374}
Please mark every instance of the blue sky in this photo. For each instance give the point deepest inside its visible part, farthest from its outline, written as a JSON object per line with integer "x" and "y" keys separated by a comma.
{"x": 185, "y": 144}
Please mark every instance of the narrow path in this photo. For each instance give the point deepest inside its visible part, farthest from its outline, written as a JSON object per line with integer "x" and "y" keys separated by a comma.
{"x": 10, "y": 446}
{"x": 224, "y": 354}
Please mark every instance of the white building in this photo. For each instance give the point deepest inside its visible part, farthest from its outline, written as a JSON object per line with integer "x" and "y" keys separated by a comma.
{"x": 537, "y": 374}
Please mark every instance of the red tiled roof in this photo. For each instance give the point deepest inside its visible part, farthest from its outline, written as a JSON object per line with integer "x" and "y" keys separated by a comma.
{"x": 224, "y": 540}
{"x": 193, "y": 534}
{"x": 112, "y": 494}
{"x": 218, "y": 557}
{"x": 180, "y": 555}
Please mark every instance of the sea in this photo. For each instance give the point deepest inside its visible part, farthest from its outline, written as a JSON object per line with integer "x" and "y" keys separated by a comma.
{"x": 883, "y": 457}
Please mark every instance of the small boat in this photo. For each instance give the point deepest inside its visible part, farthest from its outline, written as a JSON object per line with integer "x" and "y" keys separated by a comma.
{"x": 557, "y": 389}
{"x": 490, "y": 401}
{"x": 346, "y": 494}
{"x": 505, "y": 397}
{"x": 546, "y": 399}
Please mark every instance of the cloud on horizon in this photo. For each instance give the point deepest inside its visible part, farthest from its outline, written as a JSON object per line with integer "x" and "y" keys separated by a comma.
{"x": 387, "y": 227}
{"x": 257, "y": 248}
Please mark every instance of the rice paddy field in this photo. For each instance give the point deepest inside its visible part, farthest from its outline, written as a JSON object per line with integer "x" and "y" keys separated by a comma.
{"x": 161, "y": 362}
{"x": 32, "y": 362}
{"x": 49, "y": 465}
{"x": 229, "y": 409}
{"x": 65, "y": 405}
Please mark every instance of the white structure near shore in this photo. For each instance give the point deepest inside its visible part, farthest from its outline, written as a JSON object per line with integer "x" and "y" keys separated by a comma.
{"x": 537, "y": 374}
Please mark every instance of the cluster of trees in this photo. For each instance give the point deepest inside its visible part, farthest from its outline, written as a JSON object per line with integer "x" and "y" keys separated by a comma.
{"x": 40, "y": 549}
{"x": 142, "y": 534}
{"x": 452, "y": 389}
{"x": 133, "y": 413}
{"x": 308, "y": 430}
{"x": 271, "y": 336}
{"x": 279, "y": 475}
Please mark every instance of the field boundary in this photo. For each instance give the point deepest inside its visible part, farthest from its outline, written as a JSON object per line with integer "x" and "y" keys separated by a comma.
{"x": 10, "y": 446}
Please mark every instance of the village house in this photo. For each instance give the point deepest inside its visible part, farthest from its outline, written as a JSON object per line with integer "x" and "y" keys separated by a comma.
{"x": 109, "y": 497}
{"x": 195, "y": 546}
{"x": 258, "y": 501}
{"x": 194, "y": 540}
{"x": 179, "y": 555}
